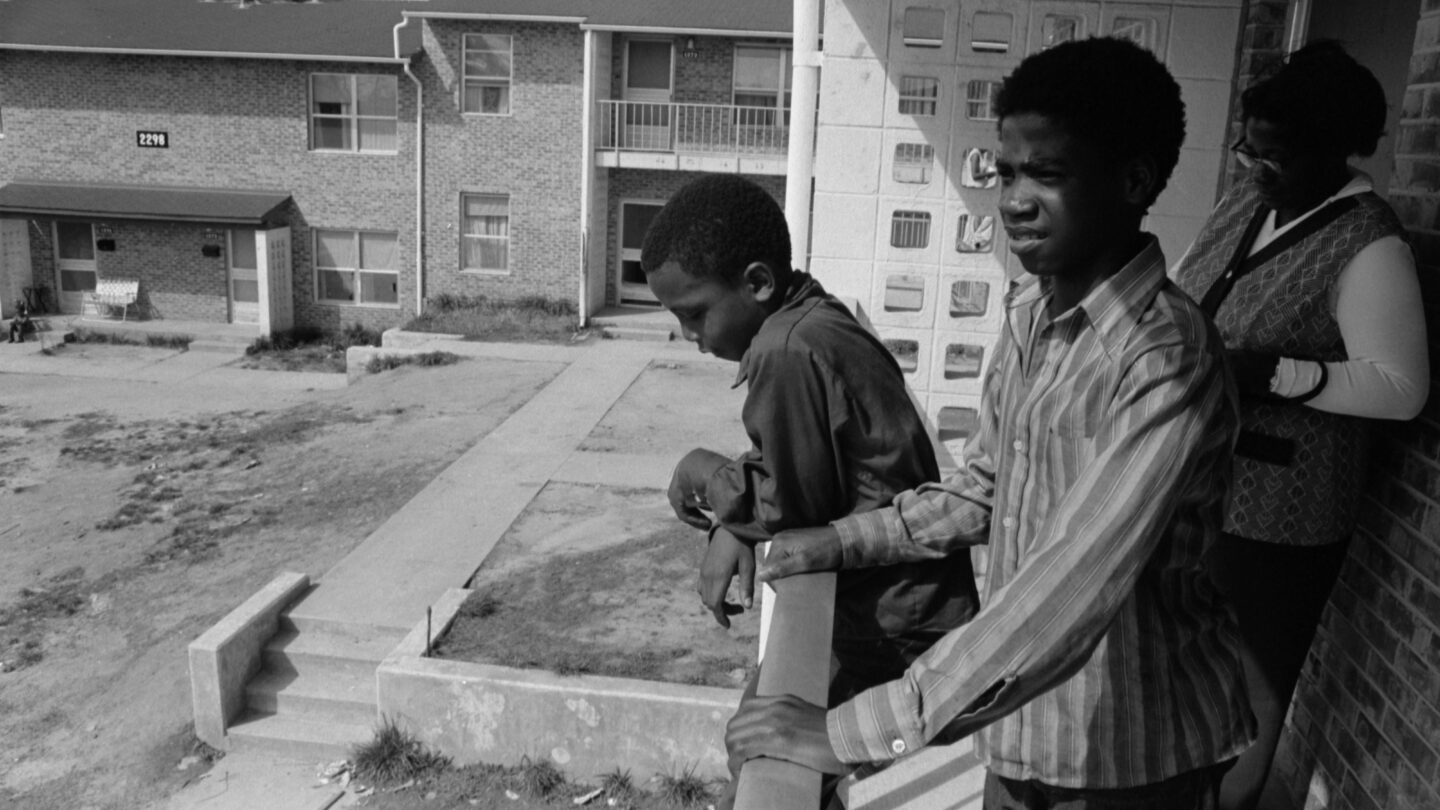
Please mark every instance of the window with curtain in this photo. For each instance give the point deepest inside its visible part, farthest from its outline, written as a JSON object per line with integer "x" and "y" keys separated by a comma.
{"x": 353, "y": 113}
{"x": 761, "y": 79}
{"x": 485, "y": 232}
{"x": 489, "y": 66}
{"x": 357, "y": 267}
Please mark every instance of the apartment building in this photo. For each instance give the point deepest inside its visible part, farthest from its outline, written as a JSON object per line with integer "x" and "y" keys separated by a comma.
{"x": 327, "y": 163}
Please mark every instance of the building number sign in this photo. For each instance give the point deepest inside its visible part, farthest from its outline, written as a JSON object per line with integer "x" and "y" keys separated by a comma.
{"x": 152, "y": 138}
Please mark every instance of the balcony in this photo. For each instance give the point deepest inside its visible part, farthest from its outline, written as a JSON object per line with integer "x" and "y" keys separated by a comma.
{"x": 692, "y": 137}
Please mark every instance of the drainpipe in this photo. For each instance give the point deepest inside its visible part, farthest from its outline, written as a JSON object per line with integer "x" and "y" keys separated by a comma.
{"x": 587, "y": 169}
{"x": 800, "y": 162}
{"x": 419, "y": 172}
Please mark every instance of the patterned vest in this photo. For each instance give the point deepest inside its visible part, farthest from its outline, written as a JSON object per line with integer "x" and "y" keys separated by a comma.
{"x": 1298, "y": 470}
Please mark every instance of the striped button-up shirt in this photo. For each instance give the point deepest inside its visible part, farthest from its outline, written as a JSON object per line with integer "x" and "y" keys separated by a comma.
{"x": 1102, "y": 657}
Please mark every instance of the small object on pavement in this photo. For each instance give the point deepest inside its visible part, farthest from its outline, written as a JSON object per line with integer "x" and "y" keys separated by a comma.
{"x": 588, "y": 797}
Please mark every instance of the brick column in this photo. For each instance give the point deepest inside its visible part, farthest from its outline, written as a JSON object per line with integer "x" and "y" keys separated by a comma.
{"x": 1364, "y": 731}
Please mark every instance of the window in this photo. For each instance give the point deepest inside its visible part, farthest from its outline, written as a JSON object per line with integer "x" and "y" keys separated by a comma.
{"x": 963, "y": 361}
{"x": 977, "y": 169}
{"x": 761, "y": 79}
{"x": 919, "y": 95}
{"x": 990, "y": 32}
{"x": 485, "y": 237}
{"x": 350, "y": 113}
{"x": 488, "y": 70}
{"x": 1058, "y": 28}
{"x": 910, "y": 229}
{"x": 906, "y": 352}
{"x": 975, "y": 234}
{"x": 969, "y": 299}
{"x": 980, "y": 97}
{"x": 904, "y": 294}
{"x": 356, "y": 267}
{"x": 1140, "y": 30}
{"x": 924, "y": 27}
{"x": 913, "y": 162}
{"x": 956, "y": 423}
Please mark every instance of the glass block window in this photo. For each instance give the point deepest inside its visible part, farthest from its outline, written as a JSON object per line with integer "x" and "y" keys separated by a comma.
{"x": 980, "y": 97}
{"x": 904, "y": 293}
{"x": 914, "y": 162}
{"x": 954, "y": 423}
{"x": 977, "y": 170}
{"x": 906, "y": 352}
{"x": 488, "y": 68}
{"x": 919, "y": 95}
{"x": 1058, "y": 28}
{"x": 969, "y": 299}
{"x": 924, "y": 27}
{"x": 990, "y": 32}
{"x": 910, "y": 229}
{"x": 485, "y": 232}
{"x": 975, "y": 234}
{"x": 963, "y": 361}
{"x": 1140, "y": 30}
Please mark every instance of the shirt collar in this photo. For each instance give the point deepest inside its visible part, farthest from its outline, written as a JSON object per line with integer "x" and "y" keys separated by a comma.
{"x": 1114, "y": 306}
{"x": 803, "y": 287}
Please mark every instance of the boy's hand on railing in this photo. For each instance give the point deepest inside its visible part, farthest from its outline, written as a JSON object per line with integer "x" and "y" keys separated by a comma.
{"x": 688, "y": 482}
{"x": 726, "y": 557}
{"x": 801, "y": 551}
{"x": 782, "y": 727}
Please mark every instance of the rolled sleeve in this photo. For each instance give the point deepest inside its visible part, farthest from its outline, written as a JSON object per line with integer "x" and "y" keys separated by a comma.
{"x": 877, "y": 725}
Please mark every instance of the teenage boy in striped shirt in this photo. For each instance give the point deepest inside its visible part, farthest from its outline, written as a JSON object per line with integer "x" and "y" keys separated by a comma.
{"x": 1103, "y": 668}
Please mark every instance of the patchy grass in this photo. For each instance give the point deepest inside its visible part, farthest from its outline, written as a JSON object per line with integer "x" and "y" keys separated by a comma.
{"x": 158, "y": 340}
{"x": 22, "y": 625}
{"x": 307, "y": 349}
{"x": 394, "y": 756}
{"x": 386, "y": 362}
{"x": 532, "y": 319}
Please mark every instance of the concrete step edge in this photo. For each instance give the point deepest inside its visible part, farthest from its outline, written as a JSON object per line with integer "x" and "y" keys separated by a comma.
{"x": 301, "y": 738}
{"x": 312, "y": 686}
{"x": 327, "y": 645}
{"x": 340, "y": 628}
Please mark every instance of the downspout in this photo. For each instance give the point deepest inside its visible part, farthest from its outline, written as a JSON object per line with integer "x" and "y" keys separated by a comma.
{"x": 587, "y": 169}
{"x": 419, "y": 172}
{"x": 800, "y": 158}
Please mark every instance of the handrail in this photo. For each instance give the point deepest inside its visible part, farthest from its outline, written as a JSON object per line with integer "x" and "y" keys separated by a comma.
{"x": 796, "y": 662}
{"x": 676, "y": 128}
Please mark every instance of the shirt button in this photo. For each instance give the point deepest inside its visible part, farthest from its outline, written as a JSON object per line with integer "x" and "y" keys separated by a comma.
{"x": 1008, "y": 521}
{"x": 898, "y": 746}
{"x": 1019, "y": 446}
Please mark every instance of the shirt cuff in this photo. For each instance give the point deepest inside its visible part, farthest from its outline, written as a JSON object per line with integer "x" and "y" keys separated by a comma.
{"x": 877, "y": 725}
{"x": 865, "y": 537}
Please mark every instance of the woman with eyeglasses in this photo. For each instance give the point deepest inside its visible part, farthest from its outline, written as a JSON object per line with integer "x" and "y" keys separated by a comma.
{"x": 1309, "y": 278}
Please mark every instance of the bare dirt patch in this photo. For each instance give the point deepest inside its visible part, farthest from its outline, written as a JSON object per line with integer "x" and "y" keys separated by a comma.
{"x": 600, "y": 581}
{"x": 134, "y": 515}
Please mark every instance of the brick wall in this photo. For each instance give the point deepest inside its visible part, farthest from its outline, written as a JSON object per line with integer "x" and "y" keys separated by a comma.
{"x": 534, "y": 155}
{"x": 705, "y": 78}
{"x": 1364, "y": 731}
{"x": 232, "y": 124}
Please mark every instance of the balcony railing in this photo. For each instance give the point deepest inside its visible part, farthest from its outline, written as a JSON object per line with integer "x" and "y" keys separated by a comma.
{"x": 714, "y": 129}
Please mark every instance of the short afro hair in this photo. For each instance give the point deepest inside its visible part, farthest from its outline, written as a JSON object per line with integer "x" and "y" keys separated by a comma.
{"x": 1321, "y": 99}
{"x": 1107, "y": 91}
{"x": 717, "y": 225}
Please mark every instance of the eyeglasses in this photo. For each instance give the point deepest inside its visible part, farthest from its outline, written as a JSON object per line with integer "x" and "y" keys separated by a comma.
{"x": 1250, "y": 160}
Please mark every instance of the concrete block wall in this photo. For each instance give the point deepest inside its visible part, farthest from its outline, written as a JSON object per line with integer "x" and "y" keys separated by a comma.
{"x": 1364, "y": 730}
{"x": 73, "y": 117}
{"x": 924, "y": 299}
{"x": 534, "y": 155}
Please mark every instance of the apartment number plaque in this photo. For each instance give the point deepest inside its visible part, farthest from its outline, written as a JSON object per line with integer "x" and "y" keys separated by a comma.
{"x": 152, "y": 139}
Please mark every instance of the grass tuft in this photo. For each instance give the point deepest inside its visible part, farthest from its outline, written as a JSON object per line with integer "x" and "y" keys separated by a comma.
{"x": 685, "y": 789}
{"x": 530, "y": 318}
{"x": 394, "y": 756}
{"x": 386, "y": 362}
{"x": 539, "y": 778}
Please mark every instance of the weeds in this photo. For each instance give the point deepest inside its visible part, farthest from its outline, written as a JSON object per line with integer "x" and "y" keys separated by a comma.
{"x": 306, "y": 348}
{"x": 386, "y": 362}
{"x": 394, "y": 756}
{"x": 21, "y": 627}
{"x": 686, "y": 789}
{"x": 539, "y": 778}
{"x": 531, "y": 318}
{"x": 158, "y": 340}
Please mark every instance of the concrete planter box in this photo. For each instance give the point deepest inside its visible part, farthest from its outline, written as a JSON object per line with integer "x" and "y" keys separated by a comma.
{"x": 588, "y": 725}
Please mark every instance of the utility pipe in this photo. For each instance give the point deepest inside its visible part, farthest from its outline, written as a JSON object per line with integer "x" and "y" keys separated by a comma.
{"x": 419, "y": 169}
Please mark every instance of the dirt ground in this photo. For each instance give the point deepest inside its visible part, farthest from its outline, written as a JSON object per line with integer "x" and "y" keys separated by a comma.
{"x": 134, "y": 515}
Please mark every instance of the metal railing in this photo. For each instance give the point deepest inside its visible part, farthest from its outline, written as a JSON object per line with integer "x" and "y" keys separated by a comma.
{"x": 639, "y": 126}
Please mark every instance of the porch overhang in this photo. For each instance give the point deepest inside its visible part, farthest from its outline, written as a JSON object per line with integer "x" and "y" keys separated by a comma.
{"x": 215, "y": 206}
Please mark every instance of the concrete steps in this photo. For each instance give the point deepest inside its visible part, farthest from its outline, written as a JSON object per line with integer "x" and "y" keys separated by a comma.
{"x": 636, "y": 323}
{"x": 314, "y": 696}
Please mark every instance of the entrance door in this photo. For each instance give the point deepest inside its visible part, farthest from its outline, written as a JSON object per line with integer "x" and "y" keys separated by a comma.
{"x": 244, "y": 276}
{"x": 648, "y": 79}
{"x": 74, "y": 264}
{"x": 635, "y": 219}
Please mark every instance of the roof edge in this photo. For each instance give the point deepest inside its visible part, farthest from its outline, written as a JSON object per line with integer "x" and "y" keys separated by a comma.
{"x": 699, "y": 32}
{"x": 482, "y": 15}
{"x": 379, "y": 60}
